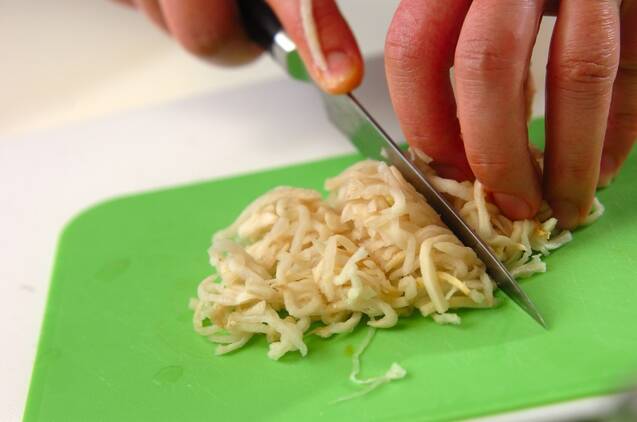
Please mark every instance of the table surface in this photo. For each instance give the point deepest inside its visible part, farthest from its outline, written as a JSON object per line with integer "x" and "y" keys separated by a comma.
{"x": 99, "y": 60}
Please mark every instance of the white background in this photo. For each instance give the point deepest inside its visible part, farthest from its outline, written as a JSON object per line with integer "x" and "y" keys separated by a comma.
{"x": 95, "y": 102}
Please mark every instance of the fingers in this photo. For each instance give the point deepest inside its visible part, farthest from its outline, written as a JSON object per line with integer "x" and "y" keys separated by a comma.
{"x": 622, "y": 121}
{"x": 212, "y": 29}
{"x": 344, "y": 64}
{"x": 209, "y": 28}
{"x": 418, "y": 55}
{"x": 153, "y": 11}
{"x": 582, "y": 66}
{"x": 491, "y": 69}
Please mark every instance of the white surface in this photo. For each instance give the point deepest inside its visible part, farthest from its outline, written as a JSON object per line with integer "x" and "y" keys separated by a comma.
{"x": 71, "y": 60}
{"x": 67, "y": 60}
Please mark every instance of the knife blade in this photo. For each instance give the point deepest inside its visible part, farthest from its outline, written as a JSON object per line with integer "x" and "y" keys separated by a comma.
{"x": 349, "y": 115}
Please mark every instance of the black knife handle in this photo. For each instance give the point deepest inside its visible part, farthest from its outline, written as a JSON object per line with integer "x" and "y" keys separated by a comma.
{"x": 259, "y": 22}
{"x": 263, "y": 27}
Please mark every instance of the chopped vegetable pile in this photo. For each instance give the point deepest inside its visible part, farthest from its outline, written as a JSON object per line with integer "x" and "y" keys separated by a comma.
{"x": 295, "y": 264}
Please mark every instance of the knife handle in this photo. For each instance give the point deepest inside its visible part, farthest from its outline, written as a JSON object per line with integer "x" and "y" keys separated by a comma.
{"x": 264, "y": 28}
{"x": 259, "y": 22}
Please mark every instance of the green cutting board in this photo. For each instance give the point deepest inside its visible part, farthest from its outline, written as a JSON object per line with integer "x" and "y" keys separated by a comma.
{"x": 117, "y": 342}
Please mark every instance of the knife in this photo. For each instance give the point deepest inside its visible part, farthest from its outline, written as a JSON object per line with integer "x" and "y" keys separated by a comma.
{"x": 348, "y": 114}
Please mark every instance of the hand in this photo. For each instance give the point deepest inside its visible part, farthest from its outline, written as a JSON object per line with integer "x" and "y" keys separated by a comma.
{"x": 211, "y": 29}
{"x": 591, "y": 109}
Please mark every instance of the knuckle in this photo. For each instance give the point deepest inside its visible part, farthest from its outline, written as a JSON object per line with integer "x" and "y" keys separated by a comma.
{"x": 594, "y": 68}
{"x": 579, "y": 168}
{"x": 401, "y": 44}
{"x": 481, "y": 58}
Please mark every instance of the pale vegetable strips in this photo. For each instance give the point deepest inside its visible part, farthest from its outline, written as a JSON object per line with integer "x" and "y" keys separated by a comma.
{"x": 356, "y": 359}
{"x": 395, "y": 371}
{"x": 311, "y": 34}
{"x": 447, "y": 318}
{"x": 373, "y": 248}
{"x": 484, "y": 229}
{"x": 596, "y": 211}
{"x": 430, "y": 277}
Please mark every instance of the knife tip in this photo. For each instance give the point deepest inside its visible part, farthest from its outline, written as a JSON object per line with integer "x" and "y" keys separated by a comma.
{"x": 532, "y": 311}
{"x": 537, "y": 317}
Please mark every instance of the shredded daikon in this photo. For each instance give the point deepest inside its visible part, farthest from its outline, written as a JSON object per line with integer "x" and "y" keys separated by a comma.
{"x": 395, "y": 371}
{"x": 447, "y": 318}
{"x": 295, "y": 264}
{"x": 311, "y": 34}
{"x": 597, "y": 210}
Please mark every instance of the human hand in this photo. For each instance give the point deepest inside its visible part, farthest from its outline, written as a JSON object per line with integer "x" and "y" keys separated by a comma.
{"x": 591, "y": 108}
{"x": 211, "y": 29}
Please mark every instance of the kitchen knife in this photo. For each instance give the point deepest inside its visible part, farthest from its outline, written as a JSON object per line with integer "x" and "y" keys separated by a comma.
{"x": 348, "y": 114}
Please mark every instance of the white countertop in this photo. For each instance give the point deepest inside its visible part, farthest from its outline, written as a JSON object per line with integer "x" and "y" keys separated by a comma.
{"x": 70, "y": 69}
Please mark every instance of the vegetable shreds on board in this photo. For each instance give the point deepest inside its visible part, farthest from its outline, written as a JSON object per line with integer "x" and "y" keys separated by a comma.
{"x": 295, "y": 264}
{"x": 395, "y": 372}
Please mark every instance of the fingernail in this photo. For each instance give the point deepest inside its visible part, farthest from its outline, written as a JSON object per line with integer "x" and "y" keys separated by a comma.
{"x": 512, "y": 206}
{"x": 567, "y": 214}
{"x": 338, "y": 63}
{"x": 343, "y": 73}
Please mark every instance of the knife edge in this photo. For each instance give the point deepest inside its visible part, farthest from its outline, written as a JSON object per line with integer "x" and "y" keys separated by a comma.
{"x": 349, "y": 115}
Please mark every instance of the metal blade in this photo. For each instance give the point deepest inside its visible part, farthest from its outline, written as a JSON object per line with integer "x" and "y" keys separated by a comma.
{"x": 349, "y": 115}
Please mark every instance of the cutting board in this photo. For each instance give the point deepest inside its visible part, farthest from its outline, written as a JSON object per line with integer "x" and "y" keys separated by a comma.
{"x": 117, "y": 342}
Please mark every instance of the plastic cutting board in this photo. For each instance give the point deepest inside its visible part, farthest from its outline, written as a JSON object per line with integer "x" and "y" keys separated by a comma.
{"x": 117, "y": 343}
